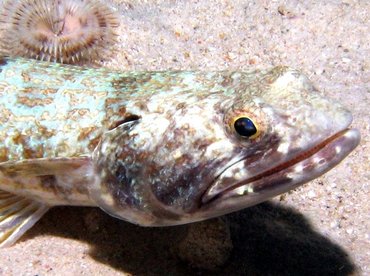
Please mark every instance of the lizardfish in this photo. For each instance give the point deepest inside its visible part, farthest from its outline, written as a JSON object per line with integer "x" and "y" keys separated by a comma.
{"x": 158, "y": 148}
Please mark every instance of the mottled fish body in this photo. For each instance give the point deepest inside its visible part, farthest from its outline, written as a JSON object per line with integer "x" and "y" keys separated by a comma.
{"x": 158, "y": 148}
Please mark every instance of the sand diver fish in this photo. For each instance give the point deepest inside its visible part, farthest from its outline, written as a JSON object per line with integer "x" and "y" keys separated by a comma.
{"x": 158, "y": 148}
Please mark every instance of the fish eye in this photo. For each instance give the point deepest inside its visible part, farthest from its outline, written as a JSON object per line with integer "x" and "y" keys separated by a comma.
{"x": 245, "y": 127}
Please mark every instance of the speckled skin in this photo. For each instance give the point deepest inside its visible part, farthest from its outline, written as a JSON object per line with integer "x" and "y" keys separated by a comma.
{"x": 160, "y": 148}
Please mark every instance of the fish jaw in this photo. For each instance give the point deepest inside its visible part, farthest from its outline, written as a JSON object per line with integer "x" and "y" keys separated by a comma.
{"x": 235, "y": 189}
{"x": 311, "y": 136}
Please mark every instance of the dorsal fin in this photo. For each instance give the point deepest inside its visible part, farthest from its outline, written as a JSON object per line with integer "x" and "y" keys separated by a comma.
{"x": 17, "y": 215}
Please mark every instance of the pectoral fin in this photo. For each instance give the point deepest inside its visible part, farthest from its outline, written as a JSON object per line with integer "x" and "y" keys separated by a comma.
{"x": 17, "y": 215}
{"x": 43, "y": 166}
{"x": 53, "y": 181}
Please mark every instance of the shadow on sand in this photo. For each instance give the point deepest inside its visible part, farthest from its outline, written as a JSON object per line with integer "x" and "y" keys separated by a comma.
{"x": 268, "y": 240}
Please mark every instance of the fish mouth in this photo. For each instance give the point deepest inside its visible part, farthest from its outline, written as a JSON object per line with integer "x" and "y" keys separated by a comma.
{"x": 246, "y": 190}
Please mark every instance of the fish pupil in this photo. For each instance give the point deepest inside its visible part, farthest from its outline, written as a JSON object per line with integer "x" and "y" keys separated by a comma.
{"x": 245, "y": 127}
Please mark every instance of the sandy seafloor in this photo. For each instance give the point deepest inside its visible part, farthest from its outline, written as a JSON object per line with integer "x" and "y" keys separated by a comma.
{"x": 321, "y": 228}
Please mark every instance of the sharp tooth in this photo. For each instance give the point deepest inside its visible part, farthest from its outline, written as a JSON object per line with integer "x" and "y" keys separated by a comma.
{"x": 243, "y": 190}
{"x": 240, "y": 190}
{"x": 299, "y": 168}
{"x": 250, "y": 189}
{"x": 238, "y": 175}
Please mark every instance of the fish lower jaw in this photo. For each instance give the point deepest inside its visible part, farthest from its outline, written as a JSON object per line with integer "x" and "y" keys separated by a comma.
{"x": 284, "y": 177}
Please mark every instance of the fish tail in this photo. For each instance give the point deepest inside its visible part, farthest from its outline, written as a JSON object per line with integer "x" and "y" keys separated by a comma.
{"x": 17, "y": 215}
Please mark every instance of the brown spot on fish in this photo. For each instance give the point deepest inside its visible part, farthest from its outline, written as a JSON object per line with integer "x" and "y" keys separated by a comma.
{"x": 49, "y": 91}
{"x": 31, "y": 153}
{"x": 69, "y": 76}
{"x": 28, "y": 90}
{"x": 122, "y": 111}
{"x": 45, "y": 115}
{"x": 131, "y": 83}
{"x": 18, "y": 138}
{"x": 63, "y": 147}
{"x": 77, "y": 113}
{"x": 227, "y": 81}
{"x": 85, "y": 132}
{"x": 93, "y": 143}
{"x": 142, "y": 105}
{"x": 49, "y": 183}
{"x": 32, "y": 102}
{"x": 110, "y": 101}
{"x": 4, "y": 154}
{"x": 46, "y": 133}
{"x": 28, "y": 151}
{"x": 181, "y": 105}
{"x": 127, "y": 83}
{"x": 6, "y": 113}
{"x": 48, "y": 180}
{"x": 26, "y": 77}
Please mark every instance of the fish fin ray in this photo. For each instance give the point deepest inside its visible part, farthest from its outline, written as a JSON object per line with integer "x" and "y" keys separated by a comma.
{"x": 43, "y": 166}
{"x": 17, "y": 215}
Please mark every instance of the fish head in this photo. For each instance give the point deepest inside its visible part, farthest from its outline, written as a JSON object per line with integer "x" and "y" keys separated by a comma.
{"x": 203, "y": 155}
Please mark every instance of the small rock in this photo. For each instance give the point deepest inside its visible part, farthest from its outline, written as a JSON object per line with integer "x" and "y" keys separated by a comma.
{"x": 311, "y": 194}
{"x": 285, "y": 11}
{"x": 349, "y": 231}
{"x": 334, "y": 224}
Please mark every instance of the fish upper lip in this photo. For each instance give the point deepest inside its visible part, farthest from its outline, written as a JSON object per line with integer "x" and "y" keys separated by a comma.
{"x": 206, "y": 198}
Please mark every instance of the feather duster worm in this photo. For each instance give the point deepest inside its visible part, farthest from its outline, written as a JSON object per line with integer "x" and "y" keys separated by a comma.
{"x": 66, "y": 31}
